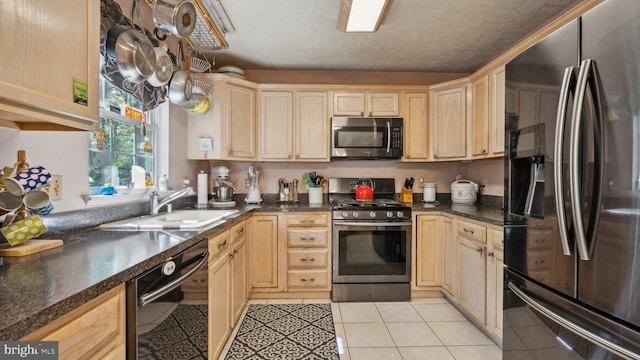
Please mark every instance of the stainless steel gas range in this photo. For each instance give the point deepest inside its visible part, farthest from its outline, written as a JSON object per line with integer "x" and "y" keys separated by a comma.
{"x": 371, "y": 242}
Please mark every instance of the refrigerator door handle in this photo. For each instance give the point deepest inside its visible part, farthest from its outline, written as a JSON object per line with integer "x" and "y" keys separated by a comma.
{"x": 567, "y": 84}
{"x": 586, "y": 76}
{"x": 574, "y": 328}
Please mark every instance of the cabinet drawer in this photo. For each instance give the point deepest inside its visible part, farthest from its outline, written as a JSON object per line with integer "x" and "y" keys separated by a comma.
{"x": 540, "y": 239}
{"x": 310, "y": 237}
{"x": 547, "y": 223}
{"x": 308, "y": 258}
{"x": 307, "y": 278}
{"x": 238, "y": 232}
{"x": 472, "y": 231}
{"x": 219, "y": 243}
{"x": 308, "y": 220}
{"x": 539, "y": 260}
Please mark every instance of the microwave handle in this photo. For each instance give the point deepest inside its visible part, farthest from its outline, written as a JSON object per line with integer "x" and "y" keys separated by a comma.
{"x": 388, "y": 136}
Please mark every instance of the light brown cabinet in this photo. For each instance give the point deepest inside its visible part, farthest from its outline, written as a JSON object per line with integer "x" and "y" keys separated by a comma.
{"x": 472, "y": 264}
{"x": 294, "y": 126}
{"x": 429, "y": 250}
{"x": 220, "y": 325}
{"x": 497, "y": 107}
{"x": 263, "y": 234}
{"x": 495, "y": 280}
{"x": 308, "y": 252}
{"x": 231, "y": 124}
{"x": 450, "y": 254}
{"x": 449, "y": 120}
{"x": 416, "y": 126}
{"x": 351, "y": 103}
{"x": 480, "y": 117}
{"x": 37, "y": 78}
{"x": 95, "y": 330}
{"x": 238, "y": 268}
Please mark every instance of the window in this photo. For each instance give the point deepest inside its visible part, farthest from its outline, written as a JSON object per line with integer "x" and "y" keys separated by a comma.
{"x": 119, "y": 144}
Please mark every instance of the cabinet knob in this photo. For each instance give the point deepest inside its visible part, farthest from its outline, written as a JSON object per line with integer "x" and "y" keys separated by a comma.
{"x": 484, "y": 151}
{"x": 435, "y": 156}
{"x": 468, "y": 231}
{"x": 490, "y": 253}
{"x": 370, "y": 113}
{"x": 479, "y": 249}
{"x": 289, "y": 157}
{"x": 230, "y": 152}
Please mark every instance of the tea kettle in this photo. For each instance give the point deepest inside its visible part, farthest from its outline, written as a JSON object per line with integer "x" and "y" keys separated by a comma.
{"x": 364, "y": 192}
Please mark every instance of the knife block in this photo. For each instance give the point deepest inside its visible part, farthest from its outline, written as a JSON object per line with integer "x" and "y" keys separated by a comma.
{"x": 407, "y": 195}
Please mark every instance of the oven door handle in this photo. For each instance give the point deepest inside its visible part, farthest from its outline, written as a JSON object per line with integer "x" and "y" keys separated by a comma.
{"x": 153, "y": 295}
{"x": 368, "y": 224}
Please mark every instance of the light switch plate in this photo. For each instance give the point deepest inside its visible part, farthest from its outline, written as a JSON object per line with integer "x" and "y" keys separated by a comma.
{"x": 205, "y": 144}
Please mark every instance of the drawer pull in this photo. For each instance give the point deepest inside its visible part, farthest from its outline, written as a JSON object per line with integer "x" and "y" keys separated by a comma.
{"x": 308, "y": 239}
{"x": 490, "y": 253}
{"x": 309, "y": 260}
{"x": 537, "y": 262}
{"x": 305, "y": 280}
{"x": 468, "y": 231}
{"x": 479, "y": 249}
{"x": 240, "y": 231}
{"x": 305, "y": 221}
{"x": 222, "y": 244}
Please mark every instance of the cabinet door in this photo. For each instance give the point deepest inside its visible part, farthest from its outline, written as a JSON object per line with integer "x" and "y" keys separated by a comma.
{"x": 264, "y": 251}
{"x": 450, "y": 257}
{"x": 348, "y": 103}
{"x": 382, "y": 104}
{"x": 311, "y": 126}
{"x": 428, "y": 251}
{"x": 238, "y": 267}
{"x": 47, "y": 47}
{"x": 276, "y": 125}
{"x": 416, "y": 134}
{"x": 480, "y": 117}
{"x": 498, "y": 109}
{"x": 495, "y": 265}
{"x": 241, "y": 123}
{"x": 449, "y": 117}
{"x": 219, "y": 310}
{"x": 471, "y": 277}
{"x": 95, "y": 330}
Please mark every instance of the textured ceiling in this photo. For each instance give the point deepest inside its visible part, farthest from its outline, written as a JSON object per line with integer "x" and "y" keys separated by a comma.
{"x": 414, "y": 36}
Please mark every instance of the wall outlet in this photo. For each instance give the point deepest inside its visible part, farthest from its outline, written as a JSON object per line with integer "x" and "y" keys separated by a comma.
{"x": 55, "y": 187}
{"x": 205, "y": 144}
{"x": 483, "y": 182}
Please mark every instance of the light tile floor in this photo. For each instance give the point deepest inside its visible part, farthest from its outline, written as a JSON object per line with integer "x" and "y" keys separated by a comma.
{"x": 420, "y": 329}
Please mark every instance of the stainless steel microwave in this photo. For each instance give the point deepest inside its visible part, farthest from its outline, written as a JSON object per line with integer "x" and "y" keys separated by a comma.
{"x": 366, "y": 138}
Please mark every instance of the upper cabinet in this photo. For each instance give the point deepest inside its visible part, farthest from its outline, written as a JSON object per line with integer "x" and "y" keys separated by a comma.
{"x": 294, "y": 126}
{"x": 416, "y": 126}
{"x": 489, "y": 105}
{"x": 352, "y": 103}
{"x": 480, "y": 117}
{"x": 228, "y": 131}
{"x": 449, "y": 119}
{"x": 497, "y": 108}
{"x": 50, "y": 64}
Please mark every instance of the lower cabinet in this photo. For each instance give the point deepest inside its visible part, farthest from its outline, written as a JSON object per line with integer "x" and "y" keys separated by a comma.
{"x": 308, "y": 252}
{"x": 472, "y": 263}
{"x": 449, "y": 249}
{"x": 263, "y": 232}
{"x": 219, "y": 299}
{"x": 95, "y": 330}
{"x": 495, "y": 281}
{"x": 428, "y": 250}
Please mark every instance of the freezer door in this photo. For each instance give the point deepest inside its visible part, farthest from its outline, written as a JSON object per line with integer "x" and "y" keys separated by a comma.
{"x": 536, "y": 77}
{"x": 611, "y": 40}
{"x": 540, "y": 324}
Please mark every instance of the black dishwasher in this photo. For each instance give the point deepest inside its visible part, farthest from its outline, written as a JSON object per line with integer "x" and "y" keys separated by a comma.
{"x": 167, "y": 309}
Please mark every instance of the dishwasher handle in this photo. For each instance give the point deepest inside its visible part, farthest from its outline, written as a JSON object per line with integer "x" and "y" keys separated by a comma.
{"x": 153, "y": 295}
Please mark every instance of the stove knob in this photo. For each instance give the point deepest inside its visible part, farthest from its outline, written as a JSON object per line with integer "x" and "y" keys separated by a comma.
{"x": 355, "y": 214}
{"x": 389, "y": 214}
{"x": 400, "y": 214}
{"x": 345, "y": 214}
{"x": 372, "y": 214}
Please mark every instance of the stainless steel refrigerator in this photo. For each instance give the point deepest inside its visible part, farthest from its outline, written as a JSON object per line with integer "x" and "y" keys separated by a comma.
{"x": 572, "y": 201}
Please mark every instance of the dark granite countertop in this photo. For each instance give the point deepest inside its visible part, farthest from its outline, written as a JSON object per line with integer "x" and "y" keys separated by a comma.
{"x": 38, "y": 288}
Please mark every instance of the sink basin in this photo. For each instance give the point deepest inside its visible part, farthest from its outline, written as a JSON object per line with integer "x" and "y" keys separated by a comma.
{"x": 179, "y": 219}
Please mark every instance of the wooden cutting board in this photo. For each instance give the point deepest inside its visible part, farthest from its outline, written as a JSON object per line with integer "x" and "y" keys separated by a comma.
{"x": 28, "y": 247}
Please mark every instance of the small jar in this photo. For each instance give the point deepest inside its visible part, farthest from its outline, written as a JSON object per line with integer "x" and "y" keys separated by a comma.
{"x": 429, "y": 192}
{"x": 163, "y": 183}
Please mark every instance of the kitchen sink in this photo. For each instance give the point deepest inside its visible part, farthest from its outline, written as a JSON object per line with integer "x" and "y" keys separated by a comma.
{"x": 179, "y": 219}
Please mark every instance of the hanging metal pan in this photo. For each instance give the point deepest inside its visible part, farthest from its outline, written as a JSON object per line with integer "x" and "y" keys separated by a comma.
{"x": 177, "y": 17}
{"x": 164, "y": 68}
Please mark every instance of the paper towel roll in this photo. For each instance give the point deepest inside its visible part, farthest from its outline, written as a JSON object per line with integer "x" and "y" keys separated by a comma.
{"x": 137, "y": 176}
{"x": 203, "y": 193}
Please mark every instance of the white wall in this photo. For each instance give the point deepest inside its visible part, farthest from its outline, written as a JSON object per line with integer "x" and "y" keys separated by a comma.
{"x": 492, "y": 171}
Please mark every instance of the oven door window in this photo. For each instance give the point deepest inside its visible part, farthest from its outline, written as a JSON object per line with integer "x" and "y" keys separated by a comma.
{"x": 361, "y": 137}
{"x": 372, "y": 252}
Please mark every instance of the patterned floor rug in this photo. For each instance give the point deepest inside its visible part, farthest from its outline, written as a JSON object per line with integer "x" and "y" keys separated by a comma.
{"x": 182, "y": 335}
{"x": 285, "y": 331}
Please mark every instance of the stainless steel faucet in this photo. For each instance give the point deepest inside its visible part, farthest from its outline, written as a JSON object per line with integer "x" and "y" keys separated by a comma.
{"x": 155, "y": 205}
